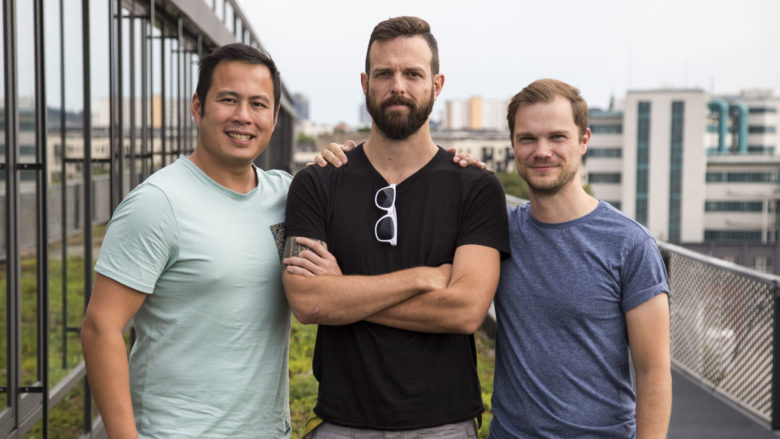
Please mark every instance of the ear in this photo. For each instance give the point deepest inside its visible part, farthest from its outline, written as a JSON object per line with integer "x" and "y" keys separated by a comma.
{"x": 585, "y": 141}
{"x": 364, "y": 82}
{"x": 276, "y": 117}
{"x": 438, "y": 83}
{"x": 196, "y": 108}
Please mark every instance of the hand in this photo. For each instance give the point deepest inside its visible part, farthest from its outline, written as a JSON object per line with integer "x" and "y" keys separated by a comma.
{"x": 465, "y": 159}
{"x": 315, "y": 261}
{"x": 334, "y": 154}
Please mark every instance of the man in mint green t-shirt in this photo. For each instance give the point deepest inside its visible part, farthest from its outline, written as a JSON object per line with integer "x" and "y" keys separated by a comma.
{"x": 192, "y": 257}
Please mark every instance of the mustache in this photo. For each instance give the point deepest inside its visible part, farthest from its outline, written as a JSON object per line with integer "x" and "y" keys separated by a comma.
{"x": 398, "y": 100}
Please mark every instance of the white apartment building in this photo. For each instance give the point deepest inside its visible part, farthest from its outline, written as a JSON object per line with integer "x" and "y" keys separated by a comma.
{"x": 691, "y": 166}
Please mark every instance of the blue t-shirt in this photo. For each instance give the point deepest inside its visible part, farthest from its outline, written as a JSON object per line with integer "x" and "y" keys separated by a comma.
{"x": 562, "y": 356}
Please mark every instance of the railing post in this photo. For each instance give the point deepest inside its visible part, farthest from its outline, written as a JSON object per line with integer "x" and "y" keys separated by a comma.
{"x": 775, "y": 421}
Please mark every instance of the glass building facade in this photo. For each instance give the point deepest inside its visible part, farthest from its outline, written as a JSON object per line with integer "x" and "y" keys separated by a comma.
{"x": 95, "y": 98}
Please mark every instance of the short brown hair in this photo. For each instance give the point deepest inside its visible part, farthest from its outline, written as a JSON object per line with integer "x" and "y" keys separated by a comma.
{"x": 545, "y": 90}
{"x": 404, "y": 27}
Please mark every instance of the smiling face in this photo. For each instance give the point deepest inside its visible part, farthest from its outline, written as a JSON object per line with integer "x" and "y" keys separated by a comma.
{"x": 400, "y": 88}
{"x": 237, "y": 118}
{"x": 548, "y": 146}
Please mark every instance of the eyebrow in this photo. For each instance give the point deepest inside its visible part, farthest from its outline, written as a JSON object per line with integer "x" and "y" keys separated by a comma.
{"x": 230, "y": 93}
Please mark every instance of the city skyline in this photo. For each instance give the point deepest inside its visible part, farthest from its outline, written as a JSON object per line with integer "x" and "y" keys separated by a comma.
{"x": 494, "y": 48}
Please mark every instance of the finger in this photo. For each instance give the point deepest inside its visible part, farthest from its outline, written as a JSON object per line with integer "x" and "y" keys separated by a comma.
{"x": 482, "y": 165}
{"x": 310, "y": 163}
{"x": 452, "y": 151}
{"x": 463, "y": 163}
{"x": 337, "y": 151}
{"x": 299, "y": 271}
{"x": 348, "y": 145}
{"x": 303, "y": 263}
{"x": 320, "y": 161}
{"x": 314, "y": 245}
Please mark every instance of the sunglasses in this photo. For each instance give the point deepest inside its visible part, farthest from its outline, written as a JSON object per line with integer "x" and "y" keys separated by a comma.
{"x": 386, "y": 228}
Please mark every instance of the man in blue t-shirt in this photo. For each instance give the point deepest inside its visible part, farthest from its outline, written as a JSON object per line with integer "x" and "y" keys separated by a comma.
{"x": 583, "y": 295}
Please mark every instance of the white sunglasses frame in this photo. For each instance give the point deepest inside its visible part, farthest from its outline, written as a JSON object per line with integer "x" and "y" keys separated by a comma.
{"x": 390, "y": 212}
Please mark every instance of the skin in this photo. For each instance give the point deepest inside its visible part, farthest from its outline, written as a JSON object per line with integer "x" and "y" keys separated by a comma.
{"x": 240, "y": 101}
{"x": 416, "y": 298}
{"x": 548, "y": 147}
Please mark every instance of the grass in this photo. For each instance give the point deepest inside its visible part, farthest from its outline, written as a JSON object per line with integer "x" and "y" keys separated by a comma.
{"x": 303, "y": 386}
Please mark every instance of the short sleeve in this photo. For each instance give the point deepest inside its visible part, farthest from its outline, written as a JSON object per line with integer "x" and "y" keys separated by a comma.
{"x": 141, "y": 240}
{"x": 643, "y": 275}
{"x": 306, "y": 212}
{"x": 484, "y": 219}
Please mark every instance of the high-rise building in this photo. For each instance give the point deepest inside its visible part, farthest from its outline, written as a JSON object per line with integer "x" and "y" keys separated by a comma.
{"x": 301, "y": 105}
{"x": 475, "y": 113}
{"x": 691, "y": 166}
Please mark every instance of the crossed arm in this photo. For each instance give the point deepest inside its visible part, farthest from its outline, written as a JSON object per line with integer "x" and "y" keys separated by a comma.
{"x": 110, "y": 309}
{"x": 445, "y": 299}
{"x": 648, "y": 338}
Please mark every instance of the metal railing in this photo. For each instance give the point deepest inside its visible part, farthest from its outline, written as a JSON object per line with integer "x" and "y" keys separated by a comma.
{"x": 723, "y": 321}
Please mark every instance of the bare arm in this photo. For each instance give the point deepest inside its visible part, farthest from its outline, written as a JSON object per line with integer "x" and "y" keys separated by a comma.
{"x": 648, "y": 338}
{"x": 110, "y": 309}
{"x": 325, "y": 296}
{"x": 458, "y": 308}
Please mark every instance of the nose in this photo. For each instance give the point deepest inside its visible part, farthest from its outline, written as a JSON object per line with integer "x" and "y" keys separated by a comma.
{"x": 397, "y": 86}
{"x": 241, "y": 113}
{"x": 543, "y": 149}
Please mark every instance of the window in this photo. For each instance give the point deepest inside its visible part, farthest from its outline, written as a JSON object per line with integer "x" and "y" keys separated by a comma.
{"x": 604, "y": 177}
{"x": 604, "y": 153}
{"x": 732, "y": 235}
{"x": 733, "y": 206}
{"x": 761, "y": 129}
{"x": 741, "y": 177}
{"x": 762, "y": 110}
{"x": 607, "y": 129}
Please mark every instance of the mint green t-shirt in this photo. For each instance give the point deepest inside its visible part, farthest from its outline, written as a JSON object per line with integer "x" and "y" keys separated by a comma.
{"x": 210, "y": 357}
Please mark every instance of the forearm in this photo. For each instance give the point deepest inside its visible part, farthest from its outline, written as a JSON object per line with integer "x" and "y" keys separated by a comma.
{"x": 653, "y": 403}
{"x": 107, "y": 371}
{"x": 341, "y": 300}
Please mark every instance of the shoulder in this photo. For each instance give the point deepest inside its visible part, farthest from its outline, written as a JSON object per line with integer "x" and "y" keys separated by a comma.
{"x": 274, "y": 178}
{"x": 622, "y": 224}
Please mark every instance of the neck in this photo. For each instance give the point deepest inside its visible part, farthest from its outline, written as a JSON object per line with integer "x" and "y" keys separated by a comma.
{"x": 240, "y": 178}
{"x": 396, "y": 160}
{"x": 568, "y": 204}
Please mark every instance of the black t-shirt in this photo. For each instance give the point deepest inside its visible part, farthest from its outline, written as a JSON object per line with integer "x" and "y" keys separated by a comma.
{"x": 374, "y": 376}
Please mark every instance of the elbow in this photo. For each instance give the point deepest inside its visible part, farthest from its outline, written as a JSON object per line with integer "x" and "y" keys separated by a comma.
{"x": 305, "y": 315}
{"x": 469, "y": 323}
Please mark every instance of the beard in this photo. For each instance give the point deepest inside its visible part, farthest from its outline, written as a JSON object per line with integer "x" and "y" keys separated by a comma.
{"x": 546, "y": 189}
{"x": 395, "y": 125}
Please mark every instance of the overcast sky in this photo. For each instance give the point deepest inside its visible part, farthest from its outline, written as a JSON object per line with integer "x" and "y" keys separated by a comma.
{"x": 493, "y": 48}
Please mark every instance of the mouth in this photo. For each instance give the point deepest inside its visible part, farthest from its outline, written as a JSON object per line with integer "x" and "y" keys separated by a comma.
{"x": 242, "y": 137}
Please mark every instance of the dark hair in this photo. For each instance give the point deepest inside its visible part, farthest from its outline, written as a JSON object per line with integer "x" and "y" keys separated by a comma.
{"x": 235, "y": 52}
{"x": 545, "y": 90}
{"x": 404, "y": 27}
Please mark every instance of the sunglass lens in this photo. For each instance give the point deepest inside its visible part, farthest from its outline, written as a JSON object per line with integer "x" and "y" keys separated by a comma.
{"x": 384, "y": 228}
{"x": 384, "y": 198}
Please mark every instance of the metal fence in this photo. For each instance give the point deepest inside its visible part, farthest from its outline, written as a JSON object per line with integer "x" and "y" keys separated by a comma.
{"x": 722, "y": 329}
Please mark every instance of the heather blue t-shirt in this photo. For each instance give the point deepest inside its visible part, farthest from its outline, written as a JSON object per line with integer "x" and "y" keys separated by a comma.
{"x": 562, "y": 357}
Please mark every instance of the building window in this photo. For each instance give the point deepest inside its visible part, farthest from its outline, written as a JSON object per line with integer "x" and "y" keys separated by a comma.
{"x": 732, "y": 235}
{"x": 762, "y": 129}
{"x": 607, "y": 129}
{"x": 762, "y": 110}
{"x": 741, "y": 177}
{"x": 733, "y": 206}
{"x": 604, "y": 153}
{"x": 675, "y": 169}
{"x": 642, "y": 160}
{"x": 604, "y": 177}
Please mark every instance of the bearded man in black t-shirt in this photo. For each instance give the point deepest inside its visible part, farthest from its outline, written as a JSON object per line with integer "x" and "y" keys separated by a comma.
{"x": 396, "y": 257}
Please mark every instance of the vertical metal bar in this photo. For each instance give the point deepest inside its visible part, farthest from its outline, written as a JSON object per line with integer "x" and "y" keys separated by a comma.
{"x": 775, "y": 416}
{"x": 63, "y": 193}
{"x": 152, "y": 21}
{"x": 133, "y": 167}
{"x": 42, "y": 228}
{"x": 179, "y": 54}
{"x": 11, "y": 210}
{"x": 87, "y": 181}
{"x": 163, "y": 121}
{"x": 146, "y": 30}
{"x": 115, "y": 53}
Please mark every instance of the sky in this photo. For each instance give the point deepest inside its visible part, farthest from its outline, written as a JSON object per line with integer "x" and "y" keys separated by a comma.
{"x": 493, "y": 48}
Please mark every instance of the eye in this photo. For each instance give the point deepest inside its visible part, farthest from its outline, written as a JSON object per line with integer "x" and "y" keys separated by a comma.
{"x": 227, "y": 100}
